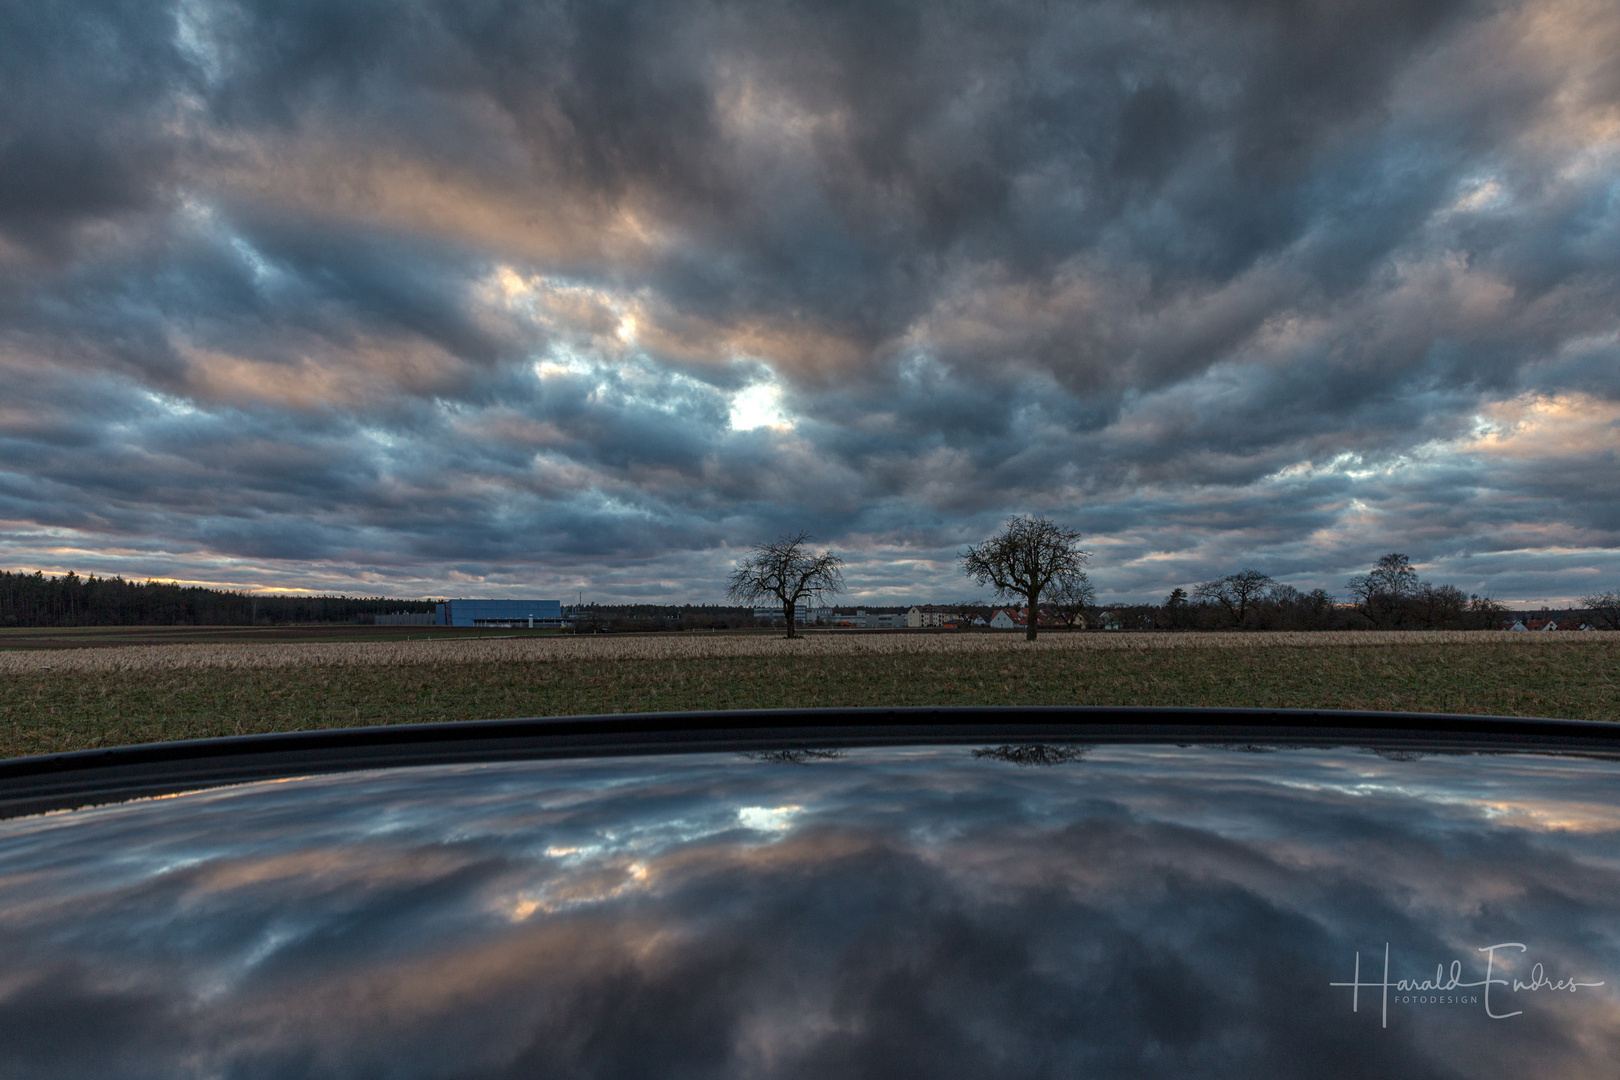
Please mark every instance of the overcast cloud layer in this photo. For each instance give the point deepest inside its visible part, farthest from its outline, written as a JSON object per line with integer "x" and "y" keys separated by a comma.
{"x": 484, "y": 298}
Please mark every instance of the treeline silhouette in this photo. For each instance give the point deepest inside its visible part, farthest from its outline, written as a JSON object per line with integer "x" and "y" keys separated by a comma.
{"x": 1389, "y": 597}
{"x": 36, "y": 600}
{"x": 590, "y": 618}
{"x": 1288, "y": 609}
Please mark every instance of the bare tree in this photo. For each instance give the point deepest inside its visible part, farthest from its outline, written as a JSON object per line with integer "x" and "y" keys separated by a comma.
{"x": 1605, "y": 607}
{"x": 1023, "y": 559}
{"x": 789, "y": 571}
{"x": 1071, "y": 594}
{"x": 1284, "y": 596}
{"x": 1235, "y": 592}
{"x": 1394, "y": 575}
{"x": 1384, "y": 594}
{"x": 1485, "y": 613}
{"x": 1439, "y": 607}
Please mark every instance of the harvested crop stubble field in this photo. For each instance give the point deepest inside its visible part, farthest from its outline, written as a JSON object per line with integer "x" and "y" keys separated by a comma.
{"x": 71, "y": 699}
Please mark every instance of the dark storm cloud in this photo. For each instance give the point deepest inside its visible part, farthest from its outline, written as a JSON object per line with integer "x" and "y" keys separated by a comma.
{"x": 418, "y": 295}
{"x": 1144, "y": 912}
{"x": 86, "y": 136}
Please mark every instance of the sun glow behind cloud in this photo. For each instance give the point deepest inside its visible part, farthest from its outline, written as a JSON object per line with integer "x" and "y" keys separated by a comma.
{"x": 757, "y": 406}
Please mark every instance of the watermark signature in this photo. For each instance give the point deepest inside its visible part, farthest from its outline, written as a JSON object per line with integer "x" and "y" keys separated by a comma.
{"x": 1442, "y": 989}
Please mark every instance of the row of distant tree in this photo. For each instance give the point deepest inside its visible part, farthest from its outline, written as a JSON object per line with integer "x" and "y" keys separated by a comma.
{"x": 1389, "y": 597}
{"x": 1040, "y": 563}
{"x": 71, "y": 600}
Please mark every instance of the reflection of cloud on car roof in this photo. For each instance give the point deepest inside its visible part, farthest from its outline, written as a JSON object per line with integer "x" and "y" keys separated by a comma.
{"x": 1160, "y": 911}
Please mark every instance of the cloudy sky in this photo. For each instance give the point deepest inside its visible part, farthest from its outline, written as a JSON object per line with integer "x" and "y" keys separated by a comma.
{"x": 549, "y": 298}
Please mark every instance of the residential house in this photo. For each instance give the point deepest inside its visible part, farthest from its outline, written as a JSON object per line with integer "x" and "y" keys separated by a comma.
{"x": 1018, "y": 619}
{"x": 928, "y": 615}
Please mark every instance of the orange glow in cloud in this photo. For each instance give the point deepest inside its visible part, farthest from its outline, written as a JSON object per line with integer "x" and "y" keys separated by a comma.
{"x": 1546, "y": 426}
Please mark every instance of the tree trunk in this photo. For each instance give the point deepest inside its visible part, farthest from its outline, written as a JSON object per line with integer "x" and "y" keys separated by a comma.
{"x": 787, "y": 609}
{"x": 1034, "y": 616}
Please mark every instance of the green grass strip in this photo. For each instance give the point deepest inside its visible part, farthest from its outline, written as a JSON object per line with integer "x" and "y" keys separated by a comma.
{"x": 54, "y": 711}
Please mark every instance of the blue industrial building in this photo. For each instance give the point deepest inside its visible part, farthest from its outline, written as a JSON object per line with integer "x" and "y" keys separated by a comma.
{"x": 524, "y": 613}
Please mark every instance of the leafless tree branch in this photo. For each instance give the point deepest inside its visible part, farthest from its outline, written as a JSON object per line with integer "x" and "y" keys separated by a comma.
{"x": 1605, "y": 607}
{"x": 1027, "y": 556}
{"x": 788, "y": 571}
{"x": 1235, "y": 592}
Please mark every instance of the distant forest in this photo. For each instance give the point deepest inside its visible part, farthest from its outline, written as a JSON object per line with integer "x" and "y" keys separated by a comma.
{"x": 70, "y": 600}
